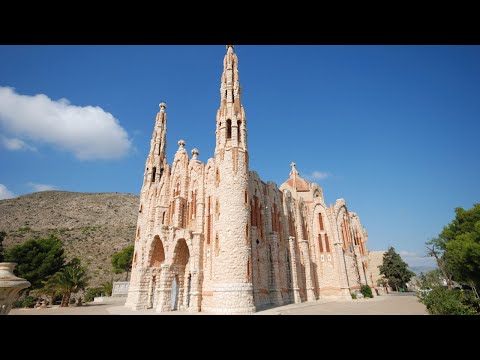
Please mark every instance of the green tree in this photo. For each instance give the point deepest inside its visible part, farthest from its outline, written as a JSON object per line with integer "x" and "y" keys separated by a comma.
{"x": 441, "y": 301}
{"x": 395, "y": 269}
{"x": 71, "y": 279}
{"x": 37, "y": 259}
{"x": 430, "y": 279}
{"x": 2, "y": 237}
{"x": 457, "y": 247}
{"x": 122, "y": 260}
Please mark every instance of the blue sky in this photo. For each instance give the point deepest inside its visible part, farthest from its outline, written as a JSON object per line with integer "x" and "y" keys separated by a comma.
{"x": 392, "y": 129}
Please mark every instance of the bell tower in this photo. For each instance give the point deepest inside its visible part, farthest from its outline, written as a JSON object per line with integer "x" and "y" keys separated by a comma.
{"x": 156, "y": 160}
{"x": 232, "y": 283}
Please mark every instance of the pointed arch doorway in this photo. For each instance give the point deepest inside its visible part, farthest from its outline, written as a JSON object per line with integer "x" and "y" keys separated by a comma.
{"x": 181, "y": 281}
{"x": 156, "y": 261}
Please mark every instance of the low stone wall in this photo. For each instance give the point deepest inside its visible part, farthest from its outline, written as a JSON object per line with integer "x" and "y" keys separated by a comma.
{"x": 120, "y": 288}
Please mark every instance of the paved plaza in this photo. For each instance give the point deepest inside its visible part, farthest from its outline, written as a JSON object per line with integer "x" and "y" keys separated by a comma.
{"x": 394, "y": 304}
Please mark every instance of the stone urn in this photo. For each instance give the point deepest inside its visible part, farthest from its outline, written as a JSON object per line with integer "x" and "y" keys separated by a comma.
{"x": 10, "y": 285}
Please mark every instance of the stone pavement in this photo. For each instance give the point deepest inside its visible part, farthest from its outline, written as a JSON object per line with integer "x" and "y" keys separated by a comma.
{"x": 394, "y": 304}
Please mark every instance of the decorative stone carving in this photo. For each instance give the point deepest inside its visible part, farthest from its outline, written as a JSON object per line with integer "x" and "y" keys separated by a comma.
{"x": 10, "y": 285}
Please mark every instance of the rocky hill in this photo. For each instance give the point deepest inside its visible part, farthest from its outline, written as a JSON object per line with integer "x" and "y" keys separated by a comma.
{"x": 92, "y": 226}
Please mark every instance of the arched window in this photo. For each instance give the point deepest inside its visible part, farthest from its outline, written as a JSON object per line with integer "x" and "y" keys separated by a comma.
{"x": 209, "y": 221}
{"x": 229, "y": 129}
{"x": 154, "y": 173}
{"x": 320, "y": 221}
{"x": 320, "y": 245}
{"x": 182, "y": 216}
{"x": 195, "y": 204}
{"x": 161, "y": 174}
{"x": 239, "y": 125}
{"x": 217, "y": 210}
{"x": 327, "y": 244}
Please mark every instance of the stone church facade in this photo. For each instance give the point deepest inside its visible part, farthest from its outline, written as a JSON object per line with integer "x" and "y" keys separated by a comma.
{"x": 214, "y": 237}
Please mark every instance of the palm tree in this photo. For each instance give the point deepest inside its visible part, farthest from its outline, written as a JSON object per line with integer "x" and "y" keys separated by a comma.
{"x": 69, "y": 280}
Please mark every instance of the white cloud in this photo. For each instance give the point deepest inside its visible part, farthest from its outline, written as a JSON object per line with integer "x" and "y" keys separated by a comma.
{"x": 15, "y": 144}
{"x": 88, "y": 132}
{"x": 414, "y": 259}
{"x": 318, "y": 175}
{"x": 41, "y": 187}
{"x": 5, "y": 193}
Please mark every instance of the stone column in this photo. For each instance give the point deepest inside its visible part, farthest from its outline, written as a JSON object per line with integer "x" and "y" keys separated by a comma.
{"x": 10, "y": 285}
{"x": 178, "y": 216}
{"x": 138, "y": 290}
{"x": 359, "y": 256}
{"x": 293, "y": 263}
{"x": 342, "y": 271}
{"x": 196, "y": 274}
{"x": 164, "y": 302}
{"x": 277, "y": 297}
{"x": 150, "y": 292}
{"x": 308, "y": 271}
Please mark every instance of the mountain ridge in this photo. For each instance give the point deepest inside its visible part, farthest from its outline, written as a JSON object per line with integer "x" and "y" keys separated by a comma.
{"x": 92, "y": 226}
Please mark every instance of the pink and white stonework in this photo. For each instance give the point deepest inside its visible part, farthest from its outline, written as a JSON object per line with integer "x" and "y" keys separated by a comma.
{"x": 214, "y": 237}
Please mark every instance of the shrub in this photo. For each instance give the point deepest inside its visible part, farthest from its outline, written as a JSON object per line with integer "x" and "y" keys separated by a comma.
{"x": 366, "y": 291}
{"x": 107, "y": 288}
{"x": 354, "y": 296}
{"x": 92, "y": 293}
{"x": 27, "y": 302}
{"x": 441, "y": 301}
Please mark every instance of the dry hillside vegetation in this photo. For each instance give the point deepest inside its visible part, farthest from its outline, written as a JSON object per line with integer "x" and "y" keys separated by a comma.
{"x": 92, "y": 226}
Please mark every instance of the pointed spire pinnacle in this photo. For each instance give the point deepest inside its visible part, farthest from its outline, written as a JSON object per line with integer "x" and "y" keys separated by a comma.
{"x": 195, "y": 153}
{"x": 294, "y": 171}
{"x": 230, "y": 86}
{"x": 181, "y": 145}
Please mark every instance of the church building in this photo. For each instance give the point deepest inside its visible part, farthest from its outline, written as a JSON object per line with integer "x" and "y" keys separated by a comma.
{"x": 214, "y": 237}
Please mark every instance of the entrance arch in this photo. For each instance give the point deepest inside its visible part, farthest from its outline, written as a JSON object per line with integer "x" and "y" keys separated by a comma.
{"x": 181, "y": 270}
{"x": 158, "y": 253}
{"x": 156, "y": 261}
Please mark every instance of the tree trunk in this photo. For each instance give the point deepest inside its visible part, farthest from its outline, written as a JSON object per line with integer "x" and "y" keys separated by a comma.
{"x": 126, "y": 279}
{"x": 441, "y": 266}
{"x": 65, "y": 300}
{"x": 52, "y": 298}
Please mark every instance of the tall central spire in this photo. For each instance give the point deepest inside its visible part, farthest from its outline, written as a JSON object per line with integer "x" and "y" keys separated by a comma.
{"x": 231, "y": 120}
{"x": 231, "y": 259}
{"x": 230, "y": 90}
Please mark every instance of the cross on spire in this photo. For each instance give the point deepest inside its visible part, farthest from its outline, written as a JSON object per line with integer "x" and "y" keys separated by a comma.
{"x": 294, "y": 171}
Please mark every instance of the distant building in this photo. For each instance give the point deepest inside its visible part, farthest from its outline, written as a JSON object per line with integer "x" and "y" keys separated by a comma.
{"x": 215, "y": 237}
{"x": 375, "y": 258}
